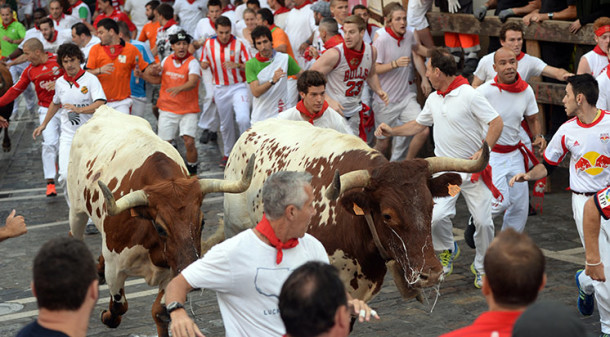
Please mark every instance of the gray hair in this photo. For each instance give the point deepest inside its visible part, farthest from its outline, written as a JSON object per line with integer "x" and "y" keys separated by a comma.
{"x": 283, "y": 189}
{"x": 330, "y": 26}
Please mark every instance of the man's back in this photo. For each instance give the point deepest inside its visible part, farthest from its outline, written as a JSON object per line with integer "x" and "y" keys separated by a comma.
{"x": 490, "y": 323}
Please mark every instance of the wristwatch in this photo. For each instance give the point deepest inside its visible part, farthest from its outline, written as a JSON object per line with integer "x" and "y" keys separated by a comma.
{"x": 551, "y": 15}
{"x": 271, "y": 82}
{"x": 174, "y": 306}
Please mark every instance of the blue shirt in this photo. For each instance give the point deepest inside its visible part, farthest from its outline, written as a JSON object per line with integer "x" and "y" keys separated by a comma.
{"x": 139, "y": 89}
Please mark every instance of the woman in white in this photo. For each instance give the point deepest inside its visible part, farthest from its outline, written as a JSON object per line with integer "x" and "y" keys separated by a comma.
{"x": 244, "y": 34}
{"x": 596, "y": 61}
{"x": 77, "y": 95}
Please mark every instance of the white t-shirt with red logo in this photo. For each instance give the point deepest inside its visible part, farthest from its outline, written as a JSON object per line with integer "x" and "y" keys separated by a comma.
{"x": 589, "y": 146}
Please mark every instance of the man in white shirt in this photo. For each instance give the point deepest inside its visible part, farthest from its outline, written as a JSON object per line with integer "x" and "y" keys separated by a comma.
{"x": 460, "y": 115}
{"x": 135, "y": 10}
{"x": 312, "y": 107}
{"x": 300, "y": 25}
{"x": 514, "y": 100}
{"x": 189, "y": 13}
{"x": 585, "y": 137}
{"x": 276, "y": 246}
{"x": 81, "y": 36}
{"x": 61, "y": 21}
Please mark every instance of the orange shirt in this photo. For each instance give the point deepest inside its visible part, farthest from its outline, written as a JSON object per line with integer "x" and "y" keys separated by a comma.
{"x": 149, "y": 33}
{"x": 185, "y": 101}
{"x": 280, "y": 38}
{"x": 116, "y": 84}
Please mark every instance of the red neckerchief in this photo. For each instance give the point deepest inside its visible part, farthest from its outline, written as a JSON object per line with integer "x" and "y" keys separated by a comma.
{"x": 228, "y": 8}
{"x": 113, "y": 51}
{"x": 369, "y": 27}
{"x": 333, "y": 41}
{"x": 5, "y": 25}
{"x": 180, "y": 59}
{"x": 54, "y": 37}
{"x": 367, "y": 121}
{"x": 352, "y": 56}
{"x": 190, "y": 1}
{"x": 302, "y": 109}
{"x": 517, "y": 87}
{"x": 63, "y": 16}
{"x": 394, "y": 35}
{"x": 488, "y": 181}
{"x": 457, "y": 82}
{"x": 78, "y": 3}
{"x": 308, "y": 2}
{"x": 597, "y": 50}
{"x": 264, "y": 227}
{"x": 169, "y": 23}
{"x": 608, "y": 71}
{"x": 212, "y": 24}
{"x": 72, "y": 80}
{"x": 281, "y": 10}
{"x": 520, "y": 56}
{"x": 260, "y": 58}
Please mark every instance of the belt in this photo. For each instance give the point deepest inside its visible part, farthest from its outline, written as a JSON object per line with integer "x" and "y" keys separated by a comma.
{"x": 527, "y": 154}
{"x": 588, "y": 194}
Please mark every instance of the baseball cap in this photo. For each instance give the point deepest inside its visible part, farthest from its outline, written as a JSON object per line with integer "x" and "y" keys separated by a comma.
{"x": 322, "y": 7}
{"x": 180, "y": 36}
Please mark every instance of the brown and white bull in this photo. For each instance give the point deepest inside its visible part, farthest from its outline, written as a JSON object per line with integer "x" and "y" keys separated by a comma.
{"x": 138, "y": 192}
{"x": 396, "y": 197}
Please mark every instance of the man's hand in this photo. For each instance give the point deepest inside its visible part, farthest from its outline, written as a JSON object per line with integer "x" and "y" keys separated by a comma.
{"x": 3, "y": 122}
{"x": 335, "y": 105}
{"x": 566, "y": 75}
{"x": 204, "y": 64}
{"x": 107, "y": 69}
{"x": 519, "y": 178}
{"x": 361, "y": 309}
{"x": 230, "y": 65}
{"x": 183, "y": 326}
{"x": 6, "y": 38}
{"x": 477, "y": 155}
{"x": 528, "y": 18}
{"x": 505, "y": 14}
{"x": 38, "y": 131}
{"x": 384, "y": 96}
{"x": 596, "y": 272}
{"x": 426, "y": 87}
{"x": 15, "y": 225}
{"x": 540, "y": 143}
{"x": 71, "y": 108}
{"x": 278, "y": 74}
{"x": 383, "y": 130}
{"x": 303, "y": 47}
{"x": 173, "y": 91}
{"x": 313, "y": 52}
{"x": 575, "y": 26}
{"x": 480, "y": 13}
{"x": 403, "y": 61}
{"x": 454, "y": 5}
{"x": 154, "y": 68}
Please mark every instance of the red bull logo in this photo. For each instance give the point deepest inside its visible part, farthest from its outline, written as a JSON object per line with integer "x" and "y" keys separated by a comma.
{"x": 604, "y": 137}
{"x": 592, "y": 163}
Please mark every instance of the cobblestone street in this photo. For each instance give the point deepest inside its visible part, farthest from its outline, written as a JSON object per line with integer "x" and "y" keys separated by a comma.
{"x": 458, "y": 302}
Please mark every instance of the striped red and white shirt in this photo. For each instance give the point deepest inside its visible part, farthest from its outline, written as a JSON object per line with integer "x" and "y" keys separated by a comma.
{"x": 216, "y": 54}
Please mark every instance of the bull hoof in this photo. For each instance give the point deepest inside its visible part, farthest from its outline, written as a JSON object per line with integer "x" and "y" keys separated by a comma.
{"x": 109, "y": 320}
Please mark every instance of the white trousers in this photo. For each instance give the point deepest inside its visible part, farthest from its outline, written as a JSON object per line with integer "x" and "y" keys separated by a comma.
{"x": 478, "y": 199}
{"x": 601, "y": 289}
{"x": 395, "y": 114}
{"x": 233, "y": 106}
{"x": 139, "y": 106}
{"x": 208, "y": 120}
{"x": 416, "y": 13}
{"x": 515, "y": 200}
{"x": 50, "y": 143}
{"x": 123, "y": 105}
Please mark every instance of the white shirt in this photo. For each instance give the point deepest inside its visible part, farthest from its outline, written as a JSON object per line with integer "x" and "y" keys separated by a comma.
{"x": 597, "y": 63}
{"x": 137, "y": 12}
{"x": 603, "y": 100}
{"x": 189, "y": 14}
{"x": 512, "y": 107}
{"x": 345, "y": 85}
{"x": 194, "y": 67}
{"x": 460, "y": 120}
{"x": 395, "y": 82}
{"x": 76, "y": 14}
{"x": 589, "y": 147}
{"x": 94, "y": 40}
{"x": 63, "y": 36}
{"x": 272, "y": 101}
{"x": 203, "y": 30}
{"x": 300, "y": 24}
{"x": 66, "y": 22}
{"x": 89, "y": 90}
{"x": 247, "y": 281}
{"x": 528, "y": 66}
{"x": 330, "y": 119}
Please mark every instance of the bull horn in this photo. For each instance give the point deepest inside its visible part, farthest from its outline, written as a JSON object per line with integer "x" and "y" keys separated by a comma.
{"x": 347, "y": 181}
{"x": 440, "y": 164}
{"x": 221, "y": 185}
{"x": 132, "y": 199}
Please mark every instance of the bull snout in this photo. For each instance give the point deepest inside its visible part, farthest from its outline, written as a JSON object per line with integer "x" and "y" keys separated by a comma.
{"x": 429, "y": 279}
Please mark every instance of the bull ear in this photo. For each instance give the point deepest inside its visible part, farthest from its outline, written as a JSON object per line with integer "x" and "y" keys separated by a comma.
{"x": 356, "y": 203}
{"x": 440, "y": 186}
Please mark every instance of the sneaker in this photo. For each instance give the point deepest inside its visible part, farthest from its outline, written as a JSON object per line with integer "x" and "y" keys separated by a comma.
{"x": 447, "y": 257}
{"x": 213, "y": 137}
{"x": 469, "y": 233}
{"x": 91, "y": 229}
{"x": 205, "y": 137}
{"x": 223, "y": 161}
{"x": 585, "y": 303}
{"x": 478, "y": 277}
{"x": 51, "y": 191}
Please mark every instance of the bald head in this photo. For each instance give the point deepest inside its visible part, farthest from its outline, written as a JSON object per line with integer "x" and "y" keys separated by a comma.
{"x": 33, "y": 44}
{"x": 503, "y": 53}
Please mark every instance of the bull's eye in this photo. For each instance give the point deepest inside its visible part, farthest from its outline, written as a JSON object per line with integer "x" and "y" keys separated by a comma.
{"x": 162, "y": 232}
{"x": 387, "y": 217}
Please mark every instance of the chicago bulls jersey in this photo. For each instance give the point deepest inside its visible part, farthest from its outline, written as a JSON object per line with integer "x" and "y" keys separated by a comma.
{"x": 346, "y": 80}
{"x": 589, "y": 146}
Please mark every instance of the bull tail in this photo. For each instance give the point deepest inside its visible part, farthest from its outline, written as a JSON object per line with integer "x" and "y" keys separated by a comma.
{"x": 217, "y": 237}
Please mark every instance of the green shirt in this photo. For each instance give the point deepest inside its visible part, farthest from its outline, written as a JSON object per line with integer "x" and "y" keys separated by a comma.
{"x": 254, "y": 66}
{"x": 15, "y": 31}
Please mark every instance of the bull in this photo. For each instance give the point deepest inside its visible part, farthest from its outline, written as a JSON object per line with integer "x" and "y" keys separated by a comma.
{"x": 6, "y": 82}
{"x": 386, "y": 207}
{"x": 149, "y": 213}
